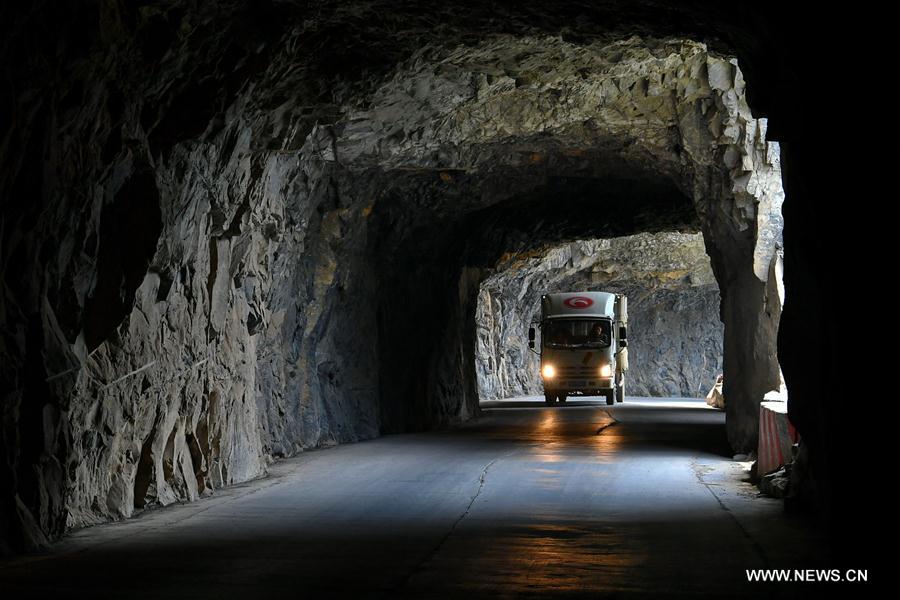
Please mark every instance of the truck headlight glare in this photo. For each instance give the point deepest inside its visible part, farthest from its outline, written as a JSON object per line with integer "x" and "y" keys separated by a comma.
{"x": 548, "y": 371}
{"x": 606, "y": 371}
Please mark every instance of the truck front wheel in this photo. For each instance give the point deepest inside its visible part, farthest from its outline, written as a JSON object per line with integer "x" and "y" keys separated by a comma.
{"x": 549, "y": 397}
{"x": 610, "y": 399}
{"x": 562, "y": 396}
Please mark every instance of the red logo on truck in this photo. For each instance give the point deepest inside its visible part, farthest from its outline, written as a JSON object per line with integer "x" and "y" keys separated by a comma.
{"x": 578, "y": 302}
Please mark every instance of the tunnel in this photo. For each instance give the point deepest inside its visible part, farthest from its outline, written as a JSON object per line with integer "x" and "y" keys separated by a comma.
{"x": 236, "y": 232}
{"x": 675, "y": 334}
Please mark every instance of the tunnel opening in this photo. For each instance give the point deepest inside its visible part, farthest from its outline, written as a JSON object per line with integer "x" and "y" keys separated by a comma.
{"x": 674, "y": 331}
{"x": 322, "y": 248}
{"x": 427, "y": 310}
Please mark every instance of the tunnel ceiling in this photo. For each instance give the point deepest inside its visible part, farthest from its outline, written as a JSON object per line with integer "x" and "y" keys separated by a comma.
{"x": 314, "y": 196}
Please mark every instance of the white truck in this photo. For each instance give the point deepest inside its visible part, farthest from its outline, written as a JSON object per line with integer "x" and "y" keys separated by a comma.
{"x": 583, "y": 345}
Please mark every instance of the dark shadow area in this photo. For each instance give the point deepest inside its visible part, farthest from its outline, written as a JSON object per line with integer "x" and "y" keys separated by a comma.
{"x": 129, "y": 230}
{"x": 570, "y": 558}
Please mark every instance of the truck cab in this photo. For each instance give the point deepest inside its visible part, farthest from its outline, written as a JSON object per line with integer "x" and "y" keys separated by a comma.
{"x": 583, "y": 345}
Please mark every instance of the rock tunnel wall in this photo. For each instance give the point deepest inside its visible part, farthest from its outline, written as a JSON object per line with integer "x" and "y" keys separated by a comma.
{"x": 214, "y": 243}
{"x": 675, "y": 335}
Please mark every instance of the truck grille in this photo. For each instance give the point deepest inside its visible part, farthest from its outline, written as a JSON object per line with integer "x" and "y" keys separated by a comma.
{"x": 579, "y": 372}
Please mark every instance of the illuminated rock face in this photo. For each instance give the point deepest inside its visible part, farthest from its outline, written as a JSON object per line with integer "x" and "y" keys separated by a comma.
{"x": 675, "y": 335}
{"x": 225, "y": 249}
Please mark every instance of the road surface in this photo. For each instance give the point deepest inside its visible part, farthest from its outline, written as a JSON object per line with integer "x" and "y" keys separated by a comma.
{"x": 580, "y": 500}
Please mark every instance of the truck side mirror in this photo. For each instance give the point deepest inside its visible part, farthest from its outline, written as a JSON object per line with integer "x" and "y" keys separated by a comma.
{"x": 531, "y": 337}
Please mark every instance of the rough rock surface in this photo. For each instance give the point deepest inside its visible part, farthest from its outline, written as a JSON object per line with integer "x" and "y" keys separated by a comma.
{"x": 223, "y": 248}
{"x": 632, "y": 109}
{"x": 675, "y": 336}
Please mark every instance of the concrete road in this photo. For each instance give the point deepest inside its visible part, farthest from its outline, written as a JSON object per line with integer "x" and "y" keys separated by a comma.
{"x": 577, "y": 500}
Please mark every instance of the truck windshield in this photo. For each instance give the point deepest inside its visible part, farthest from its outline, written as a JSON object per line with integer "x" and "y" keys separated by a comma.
{"x": 576, "y": 333}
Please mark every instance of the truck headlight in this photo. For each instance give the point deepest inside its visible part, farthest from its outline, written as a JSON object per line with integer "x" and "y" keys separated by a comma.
{"x": 606, "y": 371}
{"x": 548, "y": 371}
